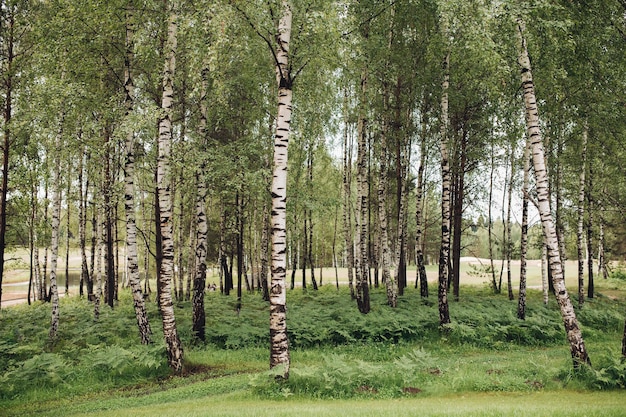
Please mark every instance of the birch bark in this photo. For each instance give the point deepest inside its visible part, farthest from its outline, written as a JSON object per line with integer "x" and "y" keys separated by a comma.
{"x": 362, "y": 281}
{"x": 521, "y": 304}
{"x": 444, "y": 251}
{"x": 581, "y": 221}
{"x": 132, "y": 257}
{"x": 166, "y": 276}
{"x": 574, "y": 334}
{"x": 347, "y": 198}
{"x": 279, "y": 351}
{"x": 56, "y": 210}
{"x": 419, "y": 217}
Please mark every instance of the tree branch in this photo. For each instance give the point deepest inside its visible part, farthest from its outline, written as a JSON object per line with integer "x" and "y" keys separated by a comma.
{"x": 257, "y": 31}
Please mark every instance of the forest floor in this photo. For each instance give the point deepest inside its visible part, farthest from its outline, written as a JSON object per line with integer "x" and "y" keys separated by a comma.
{"x": 391, "y": 362}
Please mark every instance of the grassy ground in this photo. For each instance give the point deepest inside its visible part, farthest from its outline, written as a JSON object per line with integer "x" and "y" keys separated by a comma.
{"x": 387, "y": 363}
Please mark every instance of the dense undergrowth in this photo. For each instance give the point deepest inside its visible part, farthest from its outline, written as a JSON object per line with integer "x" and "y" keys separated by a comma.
{"x": 337, "y": 352}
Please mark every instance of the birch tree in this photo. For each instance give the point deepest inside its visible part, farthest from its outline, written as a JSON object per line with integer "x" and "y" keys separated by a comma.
{"x": 172, "y": 341}
{"x": 444, "y": 251}
{"x": 581, "y": 220}
{"x": 574, "y": 335}
{"x": 132, "y": 257}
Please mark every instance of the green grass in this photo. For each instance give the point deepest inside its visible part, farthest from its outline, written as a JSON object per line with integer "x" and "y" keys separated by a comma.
{"x": 389, "y": 362}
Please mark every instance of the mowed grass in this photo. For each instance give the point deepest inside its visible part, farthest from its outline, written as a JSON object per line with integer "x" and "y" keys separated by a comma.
{"x": 389, "y": 362}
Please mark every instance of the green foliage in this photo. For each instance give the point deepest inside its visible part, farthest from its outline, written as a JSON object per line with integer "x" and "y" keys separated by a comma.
{"x": 619, "y": 274}
{"x": 341, "y": 376}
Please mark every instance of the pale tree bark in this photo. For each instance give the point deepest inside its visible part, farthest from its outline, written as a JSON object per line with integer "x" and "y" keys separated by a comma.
{"x": 391, "y": 283}
{"x": 132, "y": 256}
{"x": 347, "y": 198}
{"x": 383, "y": 234}
{"x": 82, "y": 223}
{"x": 309, "y": 214}
{"x": 544, "y": 273}
{"x": 403, "y": 157}
{"x": 560, "y": 226}
{"x": 574, "y": 335}
{"x": 199, "y": 282}
{"x": 67, "y": 230}
{"x": 494, "y": 283}
{"x": 581, "y": 219}
{"x": 521, "y": 304}
{"x": 419, "y": 216}
{"x": 444, "y": 251}
{"x": 362, "y": 279}
{"x": 97, "y": 262}
{"x": 509, "y": 242}
{"x": 166, "y": 276}
{"x": 56, "y": 210}
{"x": 590, "y": 204}
{"x": 265, "y": 238}
{"x": 279, "y": 351}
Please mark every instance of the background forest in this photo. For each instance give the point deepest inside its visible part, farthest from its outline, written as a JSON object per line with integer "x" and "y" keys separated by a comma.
{"x": 140, "y": 136}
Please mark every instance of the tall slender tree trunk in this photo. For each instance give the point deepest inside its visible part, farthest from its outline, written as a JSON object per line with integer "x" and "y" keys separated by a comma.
{"x": 56, "y": 213}
{"x": 601, "y": 262}
{"x": 6, "y": 143}
{"x": 574, "y": 335}
{"x": 97, "y": 269}
{"x": 309, "y": 213}
{"x": 590, "y": 204}
{"x": 108, "y": 221}
{"x": 265, "y": 237}
{"x": 544, "y": 273}
{"x": 199, "y": 282}
{"x": 494, "y": 283}
{"x": 521, "y": 304}
{"x": 172, "y": 341}
{"x": 581, "y": 220}
{"x": 34, "y": 256}
{"x": 444, "y": 251}
{"x": 458, "y": 188}
{"x": 347, "y": 198}
{"x": 560, "y": 226}
{"x": 419, "y": 216}
{"x": 279, "y": 351}
{"x": 383, "y": 234}
{"x": 82, "y": 224}
{"x": 132, "y": 256}
{"x": 508, "y": 243}
{"x": 67, "y": 231}
{"x": 403, "y": 160}
{"x": 362, "y": 280}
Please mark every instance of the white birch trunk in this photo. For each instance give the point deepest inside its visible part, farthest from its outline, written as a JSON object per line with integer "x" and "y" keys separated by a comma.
{"x": 170, "y": 333}
{"x": 419, "y": 218}
{"x": 581, "y": 220}
{"x": 132, "y": 257}
{"x": 97, "y": 261}
{"x": 444, "y": 252}
{"x": 362, "y": 282}
{"x": 56, "y": 210}
{"x": 385, "y": 256}
{"x": 509, "y": 242}
{"x": 574, "y": 335}
{"x": 279, "y": 351}
{"x": 347, "y": 197}
{"x": 201, "y": 227}
{"x": 521, "y": 304}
